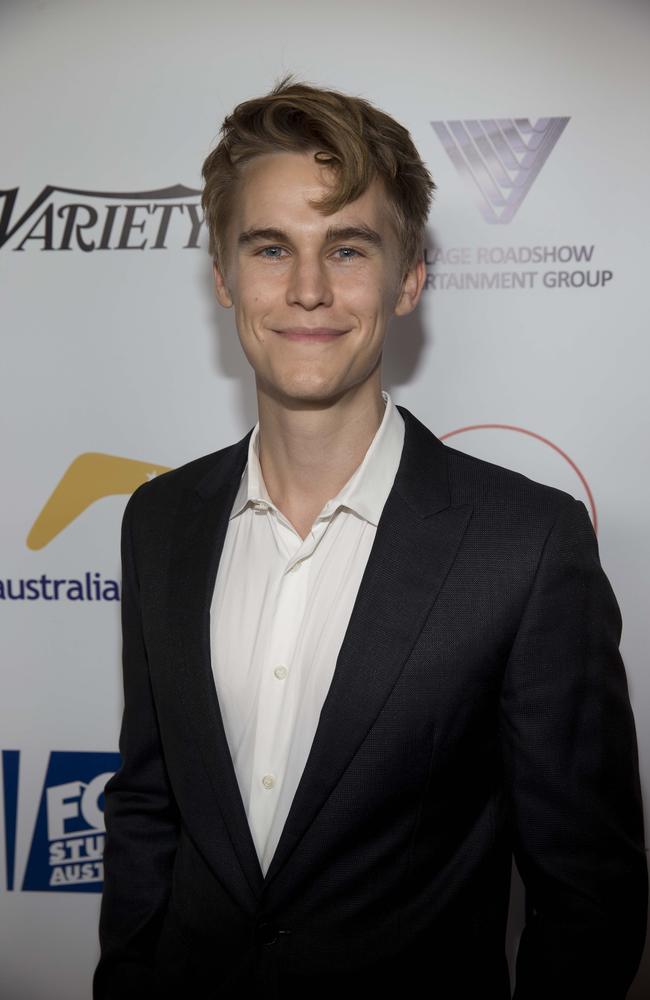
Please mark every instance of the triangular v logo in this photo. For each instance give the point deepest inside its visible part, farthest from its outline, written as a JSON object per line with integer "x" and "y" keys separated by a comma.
{"x": 501, "y": 157}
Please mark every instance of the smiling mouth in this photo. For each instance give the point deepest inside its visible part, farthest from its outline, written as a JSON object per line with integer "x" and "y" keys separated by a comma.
{"x": 315, "y": 334}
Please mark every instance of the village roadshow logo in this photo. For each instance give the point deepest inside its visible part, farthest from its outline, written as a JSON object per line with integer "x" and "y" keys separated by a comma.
{"x": 466, "y": 268}
{"x": 500, "y": 159}
{"x": 70, "y": 219}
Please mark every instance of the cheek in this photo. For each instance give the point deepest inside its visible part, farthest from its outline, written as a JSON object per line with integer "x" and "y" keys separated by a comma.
{"x": 372, "y": 286}
{"x": 253, "y": 308}
{"x": 361, "y": 292}
{"x": 370, "y": 300}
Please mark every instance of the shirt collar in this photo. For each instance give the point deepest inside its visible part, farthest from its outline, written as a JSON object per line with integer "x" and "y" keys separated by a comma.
{"x": 367, "y": 489}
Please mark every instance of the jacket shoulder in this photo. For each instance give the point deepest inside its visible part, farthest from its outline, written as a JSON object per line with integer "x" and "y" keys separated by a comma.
{"x": 493, "y": 488}
{"x": 496, "y": 493}
{"x": 164, "y": 490}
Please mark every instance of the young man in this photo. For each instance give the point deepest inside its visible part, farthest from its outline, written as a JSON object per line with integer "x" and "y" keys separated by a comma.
{"x": 361, "y": 668}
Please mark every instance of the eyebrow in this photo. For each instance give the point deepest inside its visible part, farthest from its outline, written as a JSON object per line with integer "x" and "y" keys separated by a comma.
{"x": 363, "y": 233}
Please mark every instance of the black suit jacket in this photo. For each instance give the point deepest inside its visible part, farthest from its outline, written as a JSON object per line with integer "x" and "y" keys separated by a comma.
{"x": 479, "y": 707}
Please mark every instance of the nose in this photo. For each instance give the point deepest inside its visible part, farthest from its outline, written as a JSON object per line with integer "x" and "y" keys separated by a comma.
{"x": 309, "y": 284}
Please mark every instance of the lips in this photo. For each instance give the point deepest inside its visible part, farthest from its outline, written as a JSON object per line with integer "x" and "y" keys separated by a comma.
{"x": 311, "y": 331}
{"x": 311, "y": 334}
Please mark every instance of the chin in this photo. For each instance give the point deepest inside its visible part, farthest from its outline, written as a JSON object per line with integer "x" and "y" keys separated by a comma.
{"x": 303, "y": 393}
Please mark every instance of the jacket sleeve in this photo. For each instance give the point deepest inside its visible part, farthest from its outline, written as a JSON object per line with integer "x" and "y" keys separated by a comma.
{"x": 140, "y": 814}
{"x": 571, "y": 769}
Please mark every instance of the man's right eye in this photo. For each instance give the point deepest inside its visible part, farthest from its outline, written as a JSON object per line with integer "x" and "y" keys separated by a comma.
{"x": 271, "y": 256}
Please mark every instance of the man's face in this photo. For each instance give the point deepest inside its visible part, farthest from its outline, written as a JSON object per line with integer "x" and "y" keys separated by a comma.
{"x": 306, "y": 274}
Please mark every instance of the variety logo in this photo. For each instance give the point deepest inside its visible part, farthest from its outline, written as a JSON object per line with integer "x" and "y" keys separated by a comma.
{"x": 67, "y": 844}
{"x": 70, "y": 219}
{"x": 500, "y": 158}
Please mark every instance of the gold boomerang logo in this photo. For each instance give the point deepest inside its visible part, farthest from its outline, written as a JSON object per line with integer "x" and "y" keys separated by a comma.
{"x": 90, "y": 477}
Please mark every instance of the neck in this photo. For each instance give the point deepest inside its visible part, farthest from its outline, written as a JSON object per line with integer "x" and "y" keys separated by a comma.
{"x": 308, "y": 453}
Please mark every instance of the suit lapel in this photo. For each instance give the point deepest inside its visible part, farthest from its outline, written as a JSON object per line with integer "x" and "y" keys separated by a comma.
{"x": 200, "y": 529}
{"x": 416, "y": 542}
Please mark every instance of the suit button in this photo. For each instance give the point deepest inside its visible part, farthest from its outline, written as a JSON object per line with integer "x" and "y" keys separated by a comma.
{"x": 266, "y": 933}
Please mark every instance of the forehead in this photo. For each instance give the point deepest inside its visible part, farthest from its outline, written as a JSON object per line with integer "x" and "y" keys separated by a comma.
{"x": 276, "y": 188}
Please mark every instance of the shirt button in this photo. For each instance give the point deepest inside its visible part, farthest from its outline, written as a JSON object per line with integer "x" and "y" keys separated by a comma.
{"x": 281, "y": 672}
{"x": 268, "y": 781}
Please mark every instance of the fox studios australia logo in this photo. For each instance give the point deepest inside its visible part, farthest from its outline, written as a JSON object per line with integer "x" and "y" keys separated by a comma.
{"x": 499, "y": 158}
{"x": 67, "y": 843}
{"x": 62, "y": 218}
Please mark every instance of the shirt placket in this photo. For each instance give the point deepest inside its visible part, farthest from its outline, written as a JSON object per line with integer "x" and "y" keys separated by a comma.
{"x": 280, "y": 676}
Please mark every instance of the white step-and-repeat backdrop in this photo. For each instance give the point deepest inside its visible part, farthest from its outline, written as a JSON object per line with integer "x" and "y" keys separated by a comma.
{"x": 529, "y": 348}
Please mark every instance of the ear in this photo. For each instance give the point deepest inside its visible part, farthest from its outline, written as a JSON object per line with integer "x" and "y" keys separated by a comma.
{"x": 220, "y": 287}
{"x": 411, "y": 288}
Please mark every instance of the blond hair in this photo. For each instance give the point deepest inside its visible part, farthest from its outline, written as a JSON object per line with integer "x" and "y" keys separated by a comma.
{"x": 348, "y": 134}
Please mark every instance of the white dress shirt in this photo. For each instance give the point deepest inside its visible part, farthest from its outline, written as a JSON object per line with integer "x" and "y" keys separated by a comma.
{"x": 279, "y": 612}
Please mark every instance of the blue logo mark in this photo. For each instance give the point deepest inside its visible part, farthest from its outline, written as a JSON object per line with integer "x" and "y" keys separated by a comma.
{"x": 68, "y": 840}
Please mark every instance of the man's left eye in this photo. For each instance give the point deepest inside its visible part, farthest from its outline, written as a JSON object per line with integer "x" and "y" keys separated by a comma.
{"x": 347, "y": 250}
